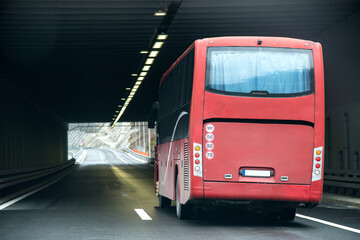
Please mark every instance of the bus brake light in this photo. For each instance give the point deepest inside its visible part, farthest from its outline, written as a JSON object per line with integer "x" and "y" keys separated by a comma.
{"x": 197, "y": 156}
{"x": 317, "y": 164}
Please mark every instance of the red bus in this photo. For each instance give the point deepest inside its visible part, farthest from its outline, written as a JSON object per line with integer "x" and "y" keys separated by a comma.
{"x": 242, "y": 119}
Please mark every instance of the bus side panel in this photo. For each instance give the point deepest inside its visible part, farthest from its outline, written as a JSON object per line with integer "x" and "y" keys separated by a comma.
{"x": 196, "y": 115}
{"x": 178, "y": 161}
{"x": 166, "y": 169}
{"x": 319, "y": 138}
{"x": 183, "y": 168}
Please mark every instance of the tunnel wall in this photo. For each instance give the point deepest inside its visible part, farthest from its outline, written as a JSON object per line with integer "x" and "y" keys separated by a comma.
{"x": 341, "y": 51}
{"x": 30, "y": 135}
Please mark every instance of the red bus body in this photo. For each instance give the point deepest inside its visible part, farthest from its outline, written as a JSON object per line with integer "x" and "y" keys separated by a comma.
{"x": 277, "y": 135}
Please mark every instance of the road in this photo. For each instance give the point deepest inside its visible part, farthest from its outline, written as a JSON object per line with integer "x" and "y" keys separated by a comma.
{"x": 97, "y": 200}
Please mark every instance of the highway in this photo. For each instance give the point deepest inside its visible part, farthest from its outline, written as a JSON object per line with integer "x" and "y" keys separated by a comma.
{"x": 110, "y": 196}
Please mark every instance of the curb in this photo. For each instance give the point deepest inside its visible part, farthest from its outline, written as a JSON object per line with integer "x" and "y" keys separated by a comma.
{"x": 342, "y": 200}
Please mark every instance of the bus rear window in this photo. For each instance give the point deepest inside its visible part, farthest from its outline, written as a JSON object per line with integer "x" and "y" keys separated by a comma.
{"x": 259, "y": 70}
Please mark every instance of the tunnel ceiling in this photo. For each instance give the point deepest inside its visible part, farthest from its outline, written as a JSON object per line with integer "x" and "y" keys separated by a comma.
{"x": 77, "y": 56}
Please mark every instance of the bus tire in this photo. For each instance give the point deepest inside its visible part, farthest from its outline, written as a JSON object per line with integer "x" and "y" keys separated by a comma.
{"x": 287, "y": 214}
{"x": 164, "y": 202}
{"x": 182, "y": 211}
{"x": 271, "y": 216}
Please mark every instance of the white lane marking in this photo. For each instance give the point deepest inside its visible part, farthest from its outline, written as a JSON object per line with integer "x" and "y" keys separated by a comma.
{"x": 142, "y": 214}
{"x": 101, "y": 156}
{"x": 7, "y": 204}
{"x": 183, "y": 113}
{"x": 329, "y": 223}
{"x": 135, "y": 158}
{"x": 124, "y": 194}
{"x": 118, "y": 156}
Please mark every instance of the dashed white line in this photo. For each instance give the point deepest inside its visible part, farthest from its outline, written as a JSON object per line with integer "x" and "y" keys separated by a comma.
{"x": 101, "y": 156}
{"x": 124, "y": 194}
{"x": 115, "y": 153}
{"x": 329, "y": 223}
{"x": 143, "y": 215}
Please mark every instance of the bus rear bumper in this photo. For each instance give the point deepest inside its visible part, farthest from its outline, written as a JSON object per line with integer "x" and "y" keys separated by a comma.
{"x": 257, "y": 191}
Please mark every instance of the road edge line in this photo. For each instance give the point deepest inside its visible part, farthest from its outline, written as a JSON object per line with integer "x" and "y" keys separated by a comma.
{"x": 329, "y": 223}
{"x": 16, "y": 199}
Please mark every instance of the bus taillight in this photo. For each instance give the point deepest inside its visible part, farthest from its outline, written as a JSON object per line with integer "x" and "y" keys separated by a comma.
{"x": 317, "y": 164}
{"x": 197, "y": 156}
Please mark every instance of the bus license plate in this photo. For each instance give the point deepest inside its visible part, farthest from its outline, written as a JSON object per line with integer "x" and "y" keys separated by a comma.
{"x": 256, "y": 173}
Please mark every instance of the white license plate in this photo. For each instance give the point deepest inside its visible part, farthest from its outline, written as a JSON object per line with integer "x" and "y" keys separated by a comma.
{"x": 255, "y": 173}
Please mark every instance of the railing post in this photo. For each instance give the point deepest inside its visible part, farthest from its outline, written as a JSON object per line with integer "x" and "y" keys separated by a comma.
{"x": 346, "y": 141}
{"x": 328, "y": 143}
{"x": 356, "y": 161}
{"x": 340, "y": 160}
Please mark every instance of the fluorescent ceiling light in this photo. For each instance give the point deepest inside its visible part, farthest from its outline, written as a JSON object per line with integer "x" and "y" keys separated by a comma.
{"x": 143, "y": 74}
{"x": 144, "y": 52}
{"x": 160, "y": 13}
{"x": 146, "y": 68}
{"x": 153, "y": 53}
{"x": 122, "y": 99}
{"x": 162, "y": 37}
{"x": 140, "y": 78}
{"x": 128, "y": 88}
{"x": 149, "y": 61}
{"x": 136, "y": 87}
{"x": 134, "y": 74}
{"x": 117, "y": 111}
{"x": 158, "y": 44}
{"x": 119, "y": 106}
{"x": 138, "y": 82}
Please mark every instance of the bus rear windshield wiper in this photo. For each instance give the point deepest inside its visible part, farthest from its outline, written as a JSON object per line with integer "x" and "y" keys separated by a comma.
{"x": 259, "y": 92}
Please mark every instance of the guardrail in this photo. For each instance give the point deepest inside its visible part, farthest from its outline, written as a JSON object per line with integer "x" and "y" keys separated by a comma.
{"x": 73, "y": 155}
{"x": 139, "y": 155}
{"x": 16, "y": 177}
{"x": 342, "y": 180}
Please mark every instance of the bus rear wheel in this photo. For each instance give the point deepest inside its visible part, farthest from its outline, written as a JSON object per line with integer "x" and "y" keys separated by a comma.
{"x": 182, "y": 211}
{"x": 164, "y": 202}
{"x": 287, "y": 214}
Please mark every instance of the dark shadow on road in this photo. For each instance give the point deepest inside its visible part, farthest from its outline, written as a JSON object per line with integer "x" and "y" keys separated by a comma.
{"x": 230, "y": 216}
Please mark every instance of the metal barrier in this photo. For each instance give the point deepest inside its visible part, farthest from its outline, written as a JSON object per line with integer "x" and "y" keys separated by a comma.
{"x": 344, "y": 178}
{"x": 16, "y": 177}
{"x": 139, "y": 155}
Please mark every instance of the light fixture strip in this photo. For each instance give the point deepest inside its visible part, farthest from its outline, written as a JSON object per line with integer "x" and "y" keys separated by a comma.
{"x": 158, "y": 45}
{"x": 150, "y": 60}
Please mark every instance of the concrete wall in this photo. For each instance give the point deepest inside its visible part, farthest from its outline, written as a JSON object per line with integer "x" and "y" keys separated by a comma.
{"x": 30, "y": 135}
{"x": 341, "y": 47}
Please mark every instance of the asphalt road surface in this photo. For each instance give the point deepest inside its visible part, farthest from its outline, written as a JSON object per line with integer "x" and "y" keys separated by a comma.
{"x": 110, "y": 193}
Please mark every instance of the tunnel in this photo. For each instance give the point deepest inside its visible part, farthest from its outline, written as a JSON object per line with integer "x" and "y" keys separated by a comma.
{"x": 81, "y": 63}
